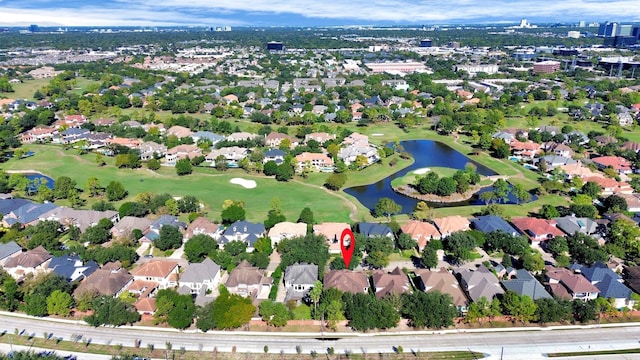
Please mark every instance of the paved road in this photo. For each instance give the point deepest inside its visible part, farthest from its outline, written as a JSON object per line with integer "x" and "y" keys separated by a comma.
{"x": 521, "y": 343}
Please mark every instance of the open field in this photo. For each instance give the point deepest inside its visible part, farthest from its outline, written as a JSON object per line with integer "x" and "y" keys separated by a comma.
{"x": 208, "y": 185}
{"x": 25, "y": 90}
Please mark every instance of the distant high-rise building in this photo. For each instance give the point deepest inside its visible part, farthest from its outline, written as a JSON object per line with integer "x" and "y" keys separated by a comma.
{"x": 573, "y": 34}
{"x": 426, "y": 43}
{"x": 33, "y": 28}
{"x": 624, "y": 30}
{"x": 227, "y": 28}
{"x": 608, "y": 29}
{"x": 275, "y": 46}
{"x": 582, "y": 24}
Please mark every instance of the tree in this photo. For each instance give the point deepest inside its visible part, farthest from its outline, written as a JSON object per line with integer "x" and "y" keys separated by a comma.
{"x": 284, "y": 172}
{"x": 310, "y": 249}
{"x": 432, "y": 309}
{"x": 170, "y": 238}
{"x": 533, "y": 261}
{"x": 549, "y": 211}
{"x": 263, "y": 246}
{"x": 521, "y": 194}
{"x": 59, "y": 303}
{"x": 459, "y": 245}
{"x": 306, "y": 216}
{"x": 115, "y": 191}
{"x": 198, "y": 247}
{"x": 386, "y": 207}
{"x": 96, "y": 235}
{"x": 405, "y": 242}
{"x": 335, "y": 181}
{"x": 615, "y": 204}
{"x": 501, "y": 189}
{"x": 153, "y": 164}
{"x": 234, "y": 212}
{"x": 274, "y": 314}
{"x": 488, "y": 197}
{"x": 108, "y": 310}
{"x": 62, "y": 186}
{"x": 591, "y": 189}
{"x": 365, "y": 311}
{"x": 92, "y": 186}
{"x": 446, "y": 186}
{"x": 227, "y": 311}
{"x": 274, "y": 216}
{"x": 521, "y": 308}
{"x": 35, "y": 304}
{"x": 314, "y": 296}
{"x": 558, "y": 245}
{"x": 183, "y": 167}
{"x": 422, "y": 211}
{"x": 177, "y": 310}
{"x": 429, "y": 257}
{"x": 550, "y": 310}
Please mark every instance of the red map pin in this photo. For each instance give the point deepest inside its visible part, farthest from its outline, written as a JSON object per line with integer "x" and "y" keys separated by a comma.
{"x": 347, "y": 245}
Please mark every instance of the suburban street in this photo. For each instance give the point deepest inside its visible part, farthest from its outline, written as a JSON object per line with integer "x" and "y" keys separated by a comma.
{"x": 517, "y": 343}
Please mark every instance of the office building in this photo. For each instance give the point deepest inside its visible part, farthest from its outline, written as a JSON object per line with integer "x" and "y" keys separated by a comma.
{"x": 275, "y": 46}
{"x": 608, "y": 29}
{"x": 546, "y": 67}
{"x": 426, "y": 43}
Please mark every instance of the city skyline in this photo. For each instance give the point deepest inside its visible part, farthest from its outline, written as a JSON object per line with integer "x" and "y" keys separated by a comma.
{"x": 307, "y": 12}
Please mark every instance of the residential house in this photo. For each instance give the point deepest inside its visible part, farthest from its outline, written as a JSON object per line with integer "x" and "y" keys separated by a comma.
{"x": 246, "y": 280}
{"x": 565, "y": 284}
{"x": 316, "y": 161}
{"x": 29, "y": 262}
{"x": 320, "y": 137}
{"x": 286, "y": 230}
{"x": 450, "y": 224}
{"x": 632, "y": 200}
{"x": 164, "y": 272}
{"x": 537, "y": 229}
{"x": 526, "y": 150}
{"x": 9, "y": 250}
{"x": 610, "y": 284}
{"x": 554, "y": 161}
{"x": 572, "y": 225}
{"x": 347, "y": 281}
{"x": 10, "y": 204}
{"x": 351, "y": 152}
{"x": 557, "y": 149}
{"x": 491, "y": 223}
{"x": 232, "y": 155}
{"x": 150, "y": 150}
{"x": 184, "y": 151}
{"x": 27, "y": 214}
{"x": 38, "y": 134}
{"x": 241, "y": 136}
{"x": 395, "y": 282}
{"x": 632, "y": 277}
{"x": 332, "y": 231}
{"x": 81, "y": 219}
{"x": 299, "y": 279}
{"x": 71, "y": 121}
{"x": 443, "y": 281}
{"x": 373, "y": 230}
{"x": 274, "y": 139}
{"x": 630, "y": 146}
{"x": 199, "y": 276}
{"x": 153, "y": 232}
{"x": 111, "y": 280}
{"x": 420, "y": 231}
{"x": 504, "y": 136}
{"x": 71, "y": 267}
{"x": 610, "y": 186}
{"x": 126, "y": 142}
{"x": 124, "y": 228}
{"x": 208, "y": 136}
{"x": 523, "y": 283}
{"x": 619, "y": 164}
{"x": 243, "y": 231}
{"x": 480, "y": 283}
{"x": 203, "y": 226}
{"x": 275, "y": 155}
{"x": 179, "y": 131}
{"x": 578, "y": 170}
{"x": 355, "y": 138}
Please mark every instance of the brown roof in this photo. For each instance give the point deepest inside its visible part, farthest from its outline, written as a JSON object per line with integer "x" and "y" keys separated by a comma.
{"x": 156, "y": 268}
{"x": 347, "y": 281}
{"x": 443, "y": 281}
{"x": 421, "y": 232}
{"x": 451, "y": 224}
{"x": 105, "y": 281}
{"x": 331, "y": 230}
{"x": 145, "y": 305}
{"x": 245, "y": 274}
{"x": 201, "y": 225}
{"x": 29, "y": 259}
{"x": 574, "y": 283}
{"x": 395, "y": 282}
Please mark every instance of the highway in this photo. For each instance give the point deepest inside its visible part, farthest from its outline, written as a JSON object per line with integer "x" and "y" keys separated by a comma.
{"x": 517, "y": 343}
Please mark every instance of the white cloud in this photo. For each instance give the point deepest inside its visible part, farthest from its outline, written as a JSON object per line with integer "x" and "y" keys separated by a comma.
{"x": 172, "y": 12}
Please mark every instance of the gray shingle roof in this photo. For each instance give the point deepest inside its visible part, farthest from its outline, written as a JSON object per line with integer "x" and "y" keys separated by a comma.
{"x": 489, "y": 223}
{"x": 301, "y": 274}
{"x": 8, "y": 249}
{"x": 198, "y": 272}
{"x": 526, "y": 284}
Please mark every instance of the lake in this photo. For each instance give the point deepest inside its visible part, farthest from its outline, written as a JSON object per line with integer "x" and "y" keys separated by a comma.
{"x": 427, "y": 153}
{"x": 39, "y": 177}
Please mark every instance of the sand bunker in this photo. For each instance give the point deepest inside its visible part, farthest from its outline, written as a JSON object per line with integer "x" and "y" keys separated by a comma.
{"x": 247, "y": 184}
{"x": 421, "y": 171}
{"x": 377, "y": 134}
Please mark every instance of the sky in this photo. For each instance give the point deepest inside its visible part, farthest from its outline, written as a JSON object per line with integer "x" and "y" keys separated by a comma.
{"x": 308, "y": 12}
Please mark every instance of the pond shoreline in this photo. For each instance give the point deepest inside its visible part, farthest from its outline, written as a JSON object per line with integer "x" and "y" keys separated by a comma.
{"x": 410, "y": 191}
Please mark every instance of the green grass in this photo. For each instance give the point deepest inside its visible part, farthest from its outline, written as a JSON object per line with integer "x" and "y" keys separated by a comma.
{"x": 25, "y": 90}
{"x": 208, "y": 185}
{"x": 595, "y": 353}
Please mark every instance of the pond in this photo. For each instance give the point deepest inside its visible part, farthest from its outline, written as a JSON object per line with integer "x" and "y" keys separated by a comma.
{"x": 37, "y": 179}
{"x": 427, "y": 153}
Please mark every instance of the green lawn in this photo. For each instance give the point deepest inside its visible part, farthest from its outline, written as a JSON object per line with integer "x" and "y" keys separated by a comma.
{"x": 25, "y": 90}
{"x": 207, "y": 185}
